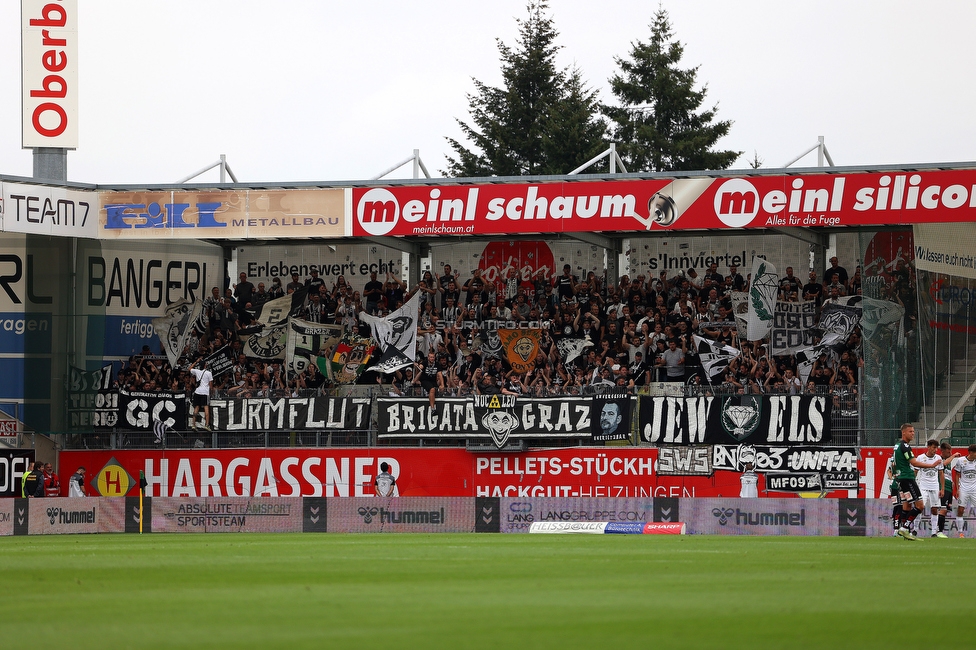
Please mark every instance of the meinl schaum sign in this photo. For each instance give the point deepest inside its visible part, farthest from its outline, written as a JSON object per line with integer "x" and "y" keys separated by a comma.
{"x": 731, "y": 419}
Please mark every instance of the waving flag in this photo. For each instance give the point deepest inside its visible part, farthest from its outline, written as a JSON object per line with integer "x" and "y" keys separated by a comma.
{"x": 521, "y": 347}
{"x": 762, "y": 299}
{"x": 715, "y": 357}
{"x": 174, "y": 327}
{"x": 396, "y": 336}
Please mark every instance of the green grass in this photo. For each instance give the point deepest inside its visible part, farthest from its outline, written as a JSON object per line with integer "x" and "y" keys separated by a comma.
{"x": 484, "y": 591}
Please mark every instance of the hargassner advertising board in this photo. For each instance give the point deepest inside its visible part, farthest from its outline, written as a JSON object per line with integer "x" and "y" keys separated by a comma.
{"x": 238, "y": 214}
{"x": 49, "y": 73}
{"x": 809, "y": 200}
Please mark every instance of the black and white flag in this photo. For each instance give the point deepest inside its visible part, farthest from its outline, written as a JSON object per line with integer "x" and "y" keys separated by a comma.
{"x": 715, "y": 357}
{"x": 159, "y": 431}
{"x": 569, "y": 348}
{"x": 269, "y": 332}
{"x": 396, "y": 336}
{"x": 838, "y": 320}
{"x": 175, "y": 325}
{"x": 763, "y": 287}
{"x": 306, "y": 341}
{"x": 805, "y": 359}
{"x": 221, "y": 362}
{"x": 278, "y": 310}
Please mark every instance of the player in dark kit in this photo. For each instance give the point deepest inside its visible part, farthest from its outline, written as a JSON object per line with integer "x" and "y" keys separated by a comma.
{"x": 895, "y": 498}
{"x": 945, "y": 450}
{"x": 911, "y": 496}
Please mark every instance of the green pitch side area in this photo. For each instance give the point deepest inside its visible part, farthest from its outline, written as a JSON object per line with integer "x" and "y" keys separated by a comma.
{"x": 485, "y": 591}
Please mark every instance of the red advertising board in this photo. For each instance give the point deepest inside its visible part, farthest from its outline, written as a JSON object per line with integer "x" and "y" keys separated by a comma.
{"x": 801, "y": 200}
{"x": 624, "y": 472}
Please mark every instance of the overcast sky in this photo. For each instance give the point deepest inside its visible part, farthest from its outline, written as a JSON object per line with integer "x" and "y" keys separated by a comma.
{"x": 320, "y": 91}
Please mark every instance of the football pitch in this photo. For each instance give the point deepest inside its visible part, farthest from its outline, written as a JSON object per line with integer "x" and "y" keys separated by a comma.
{"x": 485, "y": 591}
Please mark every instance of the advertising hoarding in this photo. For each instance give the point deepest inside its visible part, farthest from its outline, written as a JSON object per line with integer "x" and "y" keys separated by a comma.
{"x": 218, "y": 214}
{"x": 49, "y": 73}
{"x": 807, "y": 200}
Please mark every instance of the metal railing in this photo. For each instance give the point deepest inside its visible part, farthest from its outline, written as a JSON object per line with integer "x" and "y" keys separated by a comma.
{"x": 844, "y": 425}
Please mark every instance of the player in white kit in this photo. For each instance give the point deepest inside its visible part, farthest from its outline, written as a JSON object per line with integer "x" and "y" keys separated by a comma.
{"x": 964, "y": 485}
{"x": 750, "y": 482}
{"x": 931, "y": 483}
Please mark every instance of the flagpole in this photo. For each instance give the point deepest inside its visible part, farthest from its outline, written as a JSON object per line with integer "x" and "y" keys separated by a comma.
{"x": 142, "y": 487}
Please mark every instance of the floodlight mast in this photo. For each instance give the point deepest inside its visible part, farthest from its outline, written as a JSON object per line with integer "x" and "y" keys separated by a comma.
{"x": 224, "y": 171}
{"x": 418, "y": 166}
{"x": 614, "y": 161}
{"x": 822, "y": 153}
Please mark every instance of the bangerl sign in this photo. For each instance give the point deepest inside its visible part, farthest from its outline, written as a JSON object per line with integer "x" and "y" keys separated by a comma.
{"x": 808, "y": 200}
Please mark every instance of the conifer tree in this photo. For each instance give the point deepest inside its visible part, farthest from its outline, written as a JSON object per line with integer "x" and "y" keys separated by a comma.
{"x": 657, "y": 123}
{"x": 542, "y": 120}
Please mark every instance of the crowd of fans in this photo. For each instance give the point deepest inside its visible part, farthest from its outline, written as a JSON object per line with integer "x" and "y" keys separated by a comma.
{"x": 635, "y": 332}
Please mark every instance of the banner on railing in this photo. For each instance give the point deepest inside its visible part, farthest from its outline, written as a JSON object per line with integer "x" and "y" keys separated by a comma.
{"x": 291, "y": 414}
{"x": 92, "y": 403}
{"x": 491, "y": 417}
{"x": 783, "y": 419}
{"x": 784, "y": 458}
{"x": 139, "y": 410}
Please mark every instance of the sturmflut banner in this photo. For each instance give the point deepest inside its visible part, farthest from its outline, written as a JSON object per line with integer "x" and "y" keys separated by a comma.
{"x": 138, "y": 411}
{"x": 290, "y": 414}
{"x": 755, "y": 419}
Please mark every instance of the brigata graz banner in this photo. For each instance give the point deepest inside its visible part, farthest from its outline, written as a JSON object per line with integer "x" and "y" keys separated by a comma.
{"x": 857, "y": 198}
{"x": 291, "y": 414}
{"x": 495, "y": 418}
{"x": 755, "y": 419}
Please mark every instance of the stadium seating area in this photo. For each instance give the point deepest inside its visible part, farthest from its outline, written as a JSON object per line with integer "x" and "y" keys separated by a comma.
{"x": 627, "y": 327}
